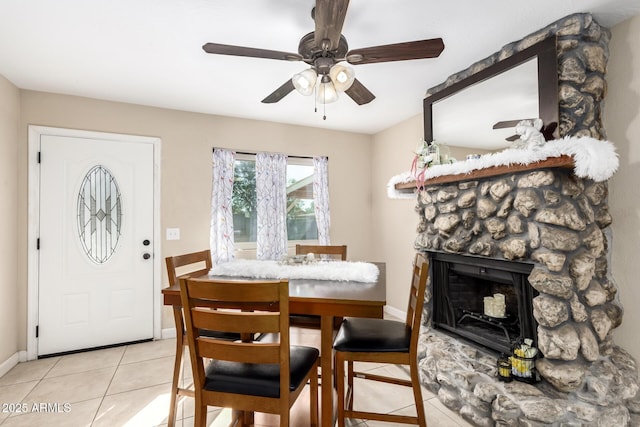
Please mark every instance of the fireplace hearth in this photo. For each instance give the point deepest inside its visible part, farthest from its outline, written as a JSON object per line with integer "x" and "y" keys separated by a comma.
{"x": 460, "y": 286}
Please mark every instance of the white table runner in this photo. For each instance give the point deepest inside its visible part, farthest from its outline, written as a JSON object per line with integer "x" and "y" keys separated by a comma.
{"x": 321, "y": 270}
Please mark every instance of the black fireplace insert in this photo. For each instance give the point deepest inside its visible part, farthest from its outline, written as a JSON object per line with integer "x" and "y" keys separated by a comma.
{"x": 460, "y": 285}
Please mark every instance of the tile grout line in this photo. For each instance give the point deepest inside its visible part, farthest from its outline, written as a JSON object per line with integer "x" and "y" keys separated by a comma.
{"x": 35, "y": 386}
{"x": 93, "y": 420}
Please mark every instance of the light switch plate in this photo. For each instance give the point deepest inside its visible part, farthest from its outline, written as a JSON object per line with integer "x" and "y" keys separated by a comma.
{"x": 173, "y": 234}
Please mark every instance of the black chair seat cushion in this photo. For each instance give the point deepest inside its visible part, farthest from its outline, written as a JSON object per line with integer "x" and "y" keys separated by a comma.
{"x": 259, "y": 379}
{"x": 372, "y": 335}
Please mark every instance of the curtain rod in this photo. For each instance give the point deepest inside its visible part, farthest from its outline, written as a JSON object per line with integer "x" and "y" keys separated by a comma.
{"x": 294, "y": 157}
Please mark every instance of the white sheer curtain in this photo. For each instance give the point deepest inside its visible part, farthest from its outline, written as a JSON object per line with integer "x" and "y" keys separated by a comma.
{"x": 321, "y": 198}
{"x": 271, "y": 197}
{"x": 221, "y": 234}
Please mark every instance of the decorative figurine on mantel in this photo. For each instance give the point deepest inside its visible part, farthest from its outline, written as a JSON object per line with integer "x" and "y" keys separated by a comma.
{"x": 530, "y": 132}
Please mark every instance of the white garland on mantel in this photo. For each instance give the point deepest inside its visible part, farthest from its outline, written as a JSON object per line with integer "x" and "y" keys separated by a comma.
{"x": 593, "y": 159}
{"x": 323, "y": 270}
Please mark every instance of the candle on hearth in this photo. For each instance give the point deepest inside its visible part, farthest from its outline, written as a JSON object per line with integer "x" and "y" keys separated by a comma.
{"x": 499, "y": 305}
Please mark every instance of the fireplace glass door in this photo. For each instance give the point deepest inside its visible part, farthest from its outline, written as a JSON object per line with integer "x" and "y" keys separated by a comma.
{"x": 485, "y": 301}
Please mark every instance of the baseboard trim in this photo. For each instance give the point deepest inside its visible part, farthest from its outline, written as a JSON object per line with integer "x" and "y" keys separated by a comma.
{"x": 13, "y": 360}
{"x": 395, "y": 312}
{"x": 168, "y": 333}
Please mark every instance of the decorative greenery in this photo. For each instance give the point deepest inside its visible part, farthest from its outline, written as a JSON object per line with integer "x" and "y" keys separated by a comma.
{"x": 423, "y": 157}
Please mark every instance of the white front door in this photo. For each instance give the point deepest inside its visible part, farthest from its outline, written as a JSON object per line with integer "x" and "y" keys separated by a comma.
{"x": 96, "y": 243}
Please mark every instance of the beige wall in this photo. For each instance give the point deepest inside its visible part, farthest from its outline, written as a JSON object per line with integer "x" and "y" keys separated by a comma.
{"x": 9, "y": 117}
{"x": 622, "y": 122}
{"x": 187, "y": 142}
{"x": 395, "y": 220}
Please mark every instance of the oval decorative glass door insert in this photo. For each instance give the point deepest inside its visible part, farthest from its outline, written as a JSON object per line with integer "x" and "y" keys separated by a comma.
{"x": 99, "y": 214}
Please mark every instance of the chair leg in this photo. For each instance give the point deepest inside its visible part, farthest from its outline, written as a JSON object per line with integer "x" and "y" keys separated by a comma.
{"x": 313, "y": 392}
{"x": 177, "y": 365}
{"x": 350, "y": 389}
{"x": 200, "y": 418}
{"x": 339, "y": 370}
{"x": 417, "y": 394}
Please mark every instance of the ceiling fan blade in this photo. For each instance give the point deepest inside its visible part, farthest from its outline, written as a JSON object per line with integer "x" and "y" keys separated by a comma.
{"x": 329, "y": 16}
{"x": 279, "y": 93}
{"x": 360, "y": 94}
{"x": 508, "y": 123}
{"x": 419, "y": 49}
{"x": 225, "y": 49}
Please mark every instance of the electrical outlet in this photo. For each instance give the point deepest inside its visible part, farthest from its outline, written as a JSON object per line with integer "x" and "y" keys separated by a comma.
{"x": 173, "y": 234}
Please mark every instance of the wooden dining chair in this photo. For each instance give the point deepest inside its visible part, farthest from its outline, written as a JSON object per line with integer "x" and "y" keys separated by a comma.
{"x": 195, "y": 264}
{"x": 253, "y": 376}
{"x": 383, "y": 341}
{"x": 335, "y": 251}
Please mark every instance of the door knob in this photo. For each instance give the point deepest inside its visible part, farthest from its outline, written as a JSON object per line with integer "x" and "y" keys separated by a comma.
{"x": 146, "y": 255}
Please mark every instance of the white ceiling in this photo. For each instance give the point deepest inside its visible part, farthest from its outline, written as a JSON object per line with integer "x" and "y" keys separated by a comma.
{"x": 149, "y": 51}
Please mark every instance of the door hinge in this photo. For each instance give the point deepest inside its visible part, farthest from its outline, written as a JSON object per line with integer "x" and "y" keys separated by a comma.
{"x": 38, "y": 244}
{"x": 37, "y": 331}
{"x": 39, "y": 156}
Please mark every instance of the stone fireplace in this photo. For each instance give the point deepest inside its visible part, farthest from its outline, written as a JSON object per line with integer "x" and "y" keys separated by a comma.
{"x": 556, "y": 224}
{"x": 538, "y": 234}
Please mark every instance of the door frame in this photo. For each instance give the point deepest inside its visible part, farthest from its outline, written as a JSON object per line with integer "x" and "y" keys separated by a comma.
{"x": 33, "y": 222}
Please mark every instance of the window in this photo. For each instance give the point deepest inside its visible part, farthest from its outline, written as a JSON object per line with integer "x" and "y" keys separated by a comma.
{"x": 301, "y": 220}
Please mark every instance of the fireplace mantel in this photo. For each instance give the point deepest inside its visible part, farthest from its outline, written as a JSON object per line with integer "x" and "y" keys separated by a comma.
{"x": 586, "y": 157}
{"x": 563, "y": 161}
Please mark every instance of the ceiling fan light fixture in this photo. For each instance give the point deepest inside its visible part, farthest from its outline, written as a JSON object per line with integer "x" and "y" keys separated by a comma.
{"x": 305, "y": 81}
{"x": 342, "y": 76}
{"x": 326, "y": 93}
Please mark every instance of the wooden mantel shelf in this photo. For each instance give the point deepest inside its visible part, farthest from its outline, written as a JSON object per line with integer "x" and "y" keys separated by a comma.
{"x": 563, "y": 161}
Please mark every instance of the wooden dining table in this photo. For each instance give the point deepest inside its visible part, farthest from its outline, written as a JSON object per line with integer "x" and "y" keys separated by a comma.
{"x": 328, "y": 299}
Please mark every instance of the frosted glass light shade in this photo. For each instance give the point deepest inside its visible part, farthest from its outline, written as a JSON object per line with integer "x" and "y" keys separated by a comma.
{"x": 305, "y": 81}
{"x": 342, "y": 76}
{"x": 326, "y": 91}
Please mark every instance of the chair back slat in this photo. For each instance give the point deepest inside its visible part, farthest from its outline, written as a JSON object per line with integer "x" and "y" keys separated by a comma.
{"x": 234, "y": 321}
{"x": 237, "y": 291}
{"x": 339, "y": 250}
{"x": 195, "y": 264}
{"x": 238, "y": 351}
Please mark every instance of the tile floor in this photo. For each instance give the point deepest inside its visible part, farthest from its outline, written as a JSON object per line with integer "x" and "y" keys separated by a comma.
{"x": 129, "y": 386}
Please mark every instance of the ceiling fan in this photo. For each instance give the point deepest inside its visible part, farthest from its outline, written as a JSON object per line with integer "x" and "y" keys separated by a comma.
{"x": 328, "y": 54}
